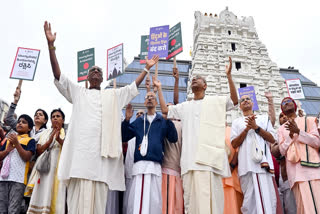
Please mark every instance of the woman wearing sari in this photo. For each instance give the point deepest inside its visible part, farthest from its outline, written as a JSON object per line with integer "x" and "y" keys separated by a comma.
{"x": 44, "y": 187}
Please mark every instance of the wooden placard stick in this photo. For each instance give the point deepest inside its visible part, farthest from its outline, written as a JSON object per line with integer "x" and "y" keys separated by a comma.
{"x": 86, "y": 83}
{"x": 114, "y": 83}
{"x": 156, "y": 71}
{"x": 19, "y": 84}
{"x": 174, "y": 62}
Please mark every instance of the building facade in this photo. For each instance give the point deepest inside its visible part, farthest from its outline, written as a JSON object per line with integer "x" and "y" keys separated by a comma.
{"x": 215, "y": 38}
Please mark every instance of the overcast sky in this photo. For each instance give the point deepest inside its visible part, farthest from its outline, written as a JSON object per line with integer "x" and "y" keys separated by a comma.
{"x": 289, "y": 29}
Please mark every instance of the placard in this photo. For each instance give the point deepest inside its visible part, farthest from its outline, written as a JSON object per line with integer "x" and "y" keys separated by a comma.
{"x": 115, "y": 61}
{"x": 85, "y": 62}
{"x": 249, "y": 91}
{"x": 295, "y": 89}
{"x": 175, "y": 41}
{"x": 25, "y": 64}
{"x": 158, "y": 41}
{"x": 144, "y": 48}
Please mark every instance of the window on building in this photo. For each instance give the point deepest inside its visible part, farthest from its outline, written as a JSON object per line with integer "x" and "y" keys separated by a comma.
{"x": 233, "y": 46}
{"x": 243, "y": 85}
{"x": 229, "y": 32}
{"x": 238, "y": 65}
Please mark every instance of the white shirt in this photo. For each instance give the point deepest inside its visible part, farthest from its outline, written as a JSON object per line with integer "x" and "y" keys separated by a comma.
{"x": 245, "y": 162}
{"x": 81, "y": 151}
{"x": 189, "y": 114}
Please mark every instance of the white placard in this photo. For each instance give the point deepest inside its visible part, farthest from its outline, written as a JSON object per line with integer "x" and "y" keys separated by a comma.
{"x": 25, "y": 64}
{"x": 295, "y": 89}
{"x": 115, "y": 62}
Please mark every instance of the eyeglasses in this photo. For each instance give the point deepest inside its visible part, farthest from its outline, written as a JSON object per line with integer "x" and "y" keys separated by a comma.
{"x": 244, "y": 99}
{"x": 149, "y": 97}
{"x": 286, "y": 101}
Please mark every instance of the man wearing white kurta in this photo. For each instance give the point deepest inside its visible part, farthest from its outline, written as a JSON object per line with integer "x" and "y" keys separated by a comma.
{"x": 91, "y": 160}
{"x": 203, "y": 157}
{"x": 254, "y": 133}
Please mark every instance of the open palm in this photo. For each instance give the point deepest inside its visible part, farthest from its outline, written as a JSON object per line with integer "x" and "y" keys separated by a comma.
{"x": 151, "y": 62}
{"x": 47, "y": 29}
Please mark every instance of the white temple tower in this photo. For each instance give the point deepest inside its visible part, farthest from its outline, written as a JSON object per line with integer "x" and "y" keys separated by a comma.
{"x": 217, "y": 37}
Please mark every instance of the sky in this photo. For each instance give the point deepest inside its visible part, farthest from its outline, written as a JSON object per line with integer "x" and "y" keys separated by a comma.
{"x": 289, "y": 29}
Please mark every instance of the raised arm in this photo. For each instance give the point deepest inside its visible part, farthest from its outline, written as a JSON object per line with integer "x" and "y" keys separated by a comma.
{"x": 149, "y": 64}
{"x": 148, "y": 85}
{"x": 233, "y": 91}
{"x": 52, "y": 50}
{"x": 175, "y": 74}
{"x": 271, "y": 111}
{"x": 163, "y": 105}
{"x": 10, "y": 120}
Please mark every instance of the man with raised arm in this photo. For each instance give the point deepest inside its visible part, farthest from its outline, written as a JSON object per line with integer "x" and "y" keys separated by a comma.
{"x": 204, "y": 159}
{"x": 91, "y": 161}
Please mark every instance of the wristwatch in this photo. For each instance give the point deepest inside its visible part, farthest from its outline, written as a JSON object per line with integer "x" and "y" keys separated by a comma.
{"x": 257, "y": 130}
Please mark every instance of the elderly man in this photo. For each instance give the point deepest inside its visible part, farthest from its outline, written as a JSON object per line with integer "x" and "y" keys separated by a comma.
{"x": 204, "y": 159}
{"x": 91, "y": 160}
{"x": 150, "y": 132}
{"x": 252, "y": 134}
{"x": 299, "y": 142}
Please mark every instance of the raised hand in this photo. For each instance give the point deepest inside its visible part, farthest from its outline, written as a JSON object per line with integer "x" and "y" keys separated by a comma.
{"x": 292, "y": 126}
{"x": 251, "y": 122}
{"x": 10, "y": 147}
{"x": 156, "y": 82}
{"x": 175, "y": 73}
{"x": 13, "y": 139}
{"x": 47, "y": 30}
{"x": 129, "y": 112}
{"x": 148, "y": 84}
{"x": 151, "y": 62}
{"x": 229, "y": 67}
{"x": 16, "y": 95}
{"x": 268, "y": 95}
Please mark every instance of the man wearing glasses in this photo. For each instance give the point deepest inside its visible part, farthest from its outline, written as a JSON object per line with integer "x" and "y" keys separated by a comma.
{"x": 299, "y": 141}
{"x": 204, "y": 158}
{"x": 91, "y": 160}
{"x": 150, "y": 132}
{"x": 252, "y": 135}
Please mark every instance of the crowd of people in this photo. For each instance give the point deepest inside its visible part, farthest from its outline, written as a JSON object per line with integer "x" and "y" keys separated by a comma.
{"x": 184, "y": 160}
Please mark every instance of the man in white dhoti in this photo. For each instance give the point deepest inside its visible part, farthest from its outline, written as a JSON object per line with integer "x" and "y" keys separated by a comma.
{"x": 253, "y": 135}
{"x": 91, "y": 160}
{"x": 204, "y": 159}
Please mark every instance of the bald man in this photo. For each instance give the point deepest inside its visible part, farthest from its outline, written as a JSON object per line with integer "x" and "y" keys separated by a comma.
{"x": 150, "y": 132}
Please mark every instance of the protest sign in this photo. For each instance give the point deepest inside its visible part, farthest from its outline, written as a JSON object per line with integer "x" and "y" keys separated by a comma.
{"x": 144, "y": 48}
{"x": 158, "y": 41}
{"x": 250, "y": 92}
{"x": 295, "y": 89}
{"x": 115, "y": 61}
{"x": 85, "y": 62}
{"x": 175, "y": 41}
{"x": 25, "y": 64}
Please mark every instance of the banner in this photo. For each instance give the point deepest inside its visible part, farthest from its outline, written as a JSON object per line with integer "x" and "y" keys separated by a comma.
{"x": 249, "y": 91}
{"x": 85, "y": 62}
{"x": 25, "y": 64}
{"x": 175, "y": 41}
{"x": 295, "y": 89}
{"x": 144, "y": 48}
{"x": 158, "y": 41}
{"x": 115, "y": 61}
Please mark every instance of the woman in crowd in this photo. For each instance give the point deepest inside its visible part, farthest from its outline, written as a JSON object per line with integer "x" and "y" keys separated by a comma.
{"x": 44, "y": 186}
